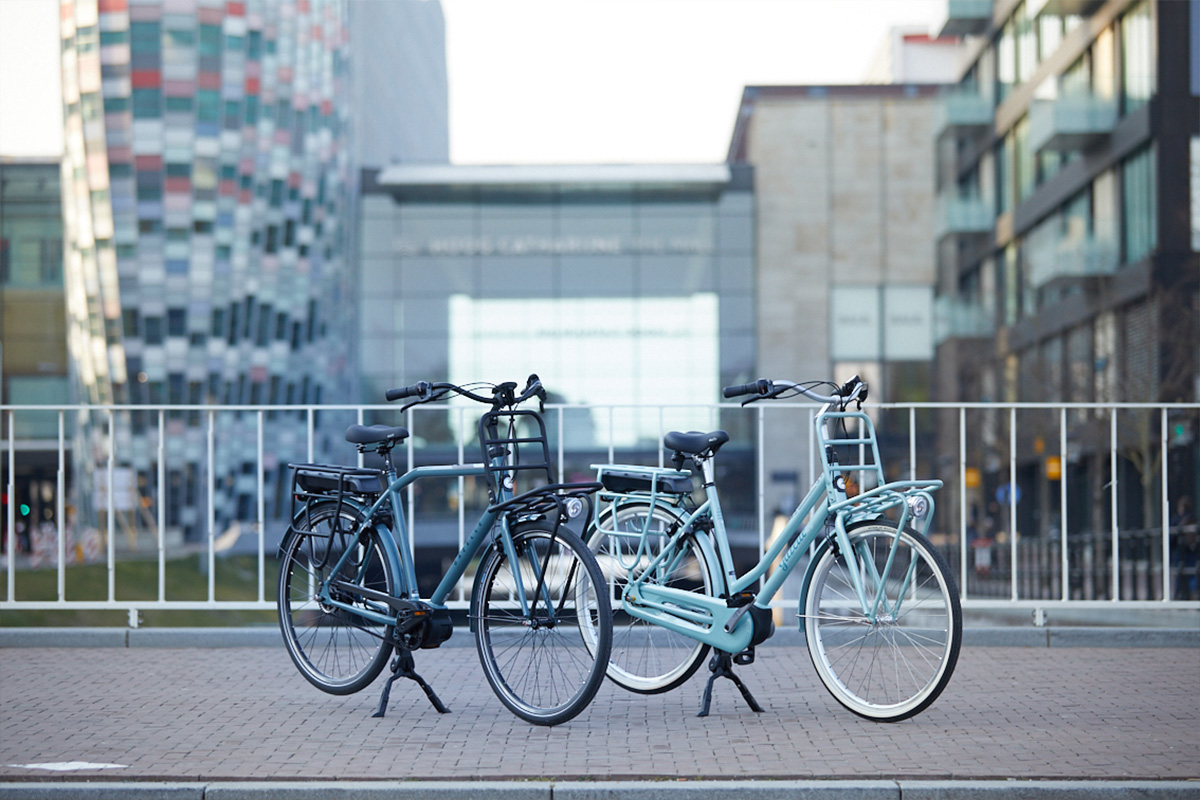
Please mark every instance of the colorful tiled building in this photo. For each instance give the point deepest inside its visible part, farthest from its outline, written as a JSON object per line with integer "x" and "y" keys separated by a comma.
{"x": 205, "y": 188}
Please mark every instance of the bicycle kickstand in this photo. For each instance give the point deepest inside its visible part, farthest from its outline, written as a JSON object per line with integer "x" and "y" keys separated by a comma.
{"x": 403, "y": 667}
{"x": 721, "y": 666}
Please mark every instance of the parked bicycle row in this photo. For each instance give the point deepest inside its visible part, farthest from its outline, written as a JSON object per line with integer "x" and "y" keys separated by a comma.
{"x": 649, "y": 589}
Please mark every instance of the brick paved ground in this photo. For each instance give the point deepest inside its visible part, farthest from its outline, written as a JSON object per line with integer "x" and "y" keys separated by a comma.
{"x": 245, "y": 713}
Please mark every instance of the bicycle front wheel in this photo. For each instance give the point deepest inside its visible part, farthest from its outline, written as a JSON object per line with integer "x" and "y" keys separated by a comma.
{"x": 646, "y": 658}
{"x": 336, "y": 650}
{"x": 894, "y": 666}
{"x": 547, "y": 662}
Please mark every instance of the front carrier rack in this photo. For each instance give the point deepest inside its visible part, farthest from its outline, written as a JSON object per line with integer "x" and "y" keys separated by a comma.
{"x": 509, "y": 454}
{"x": 911, "y": 498}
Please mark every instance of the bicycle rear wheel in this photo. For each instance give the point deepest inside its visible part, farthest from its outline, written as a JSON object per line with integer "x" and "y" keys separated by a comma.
{"x": 338, "y": 651}
{"x": 545, "y": 665}
{"x": 646, "y": 658}
{"x": 896, "y": 666}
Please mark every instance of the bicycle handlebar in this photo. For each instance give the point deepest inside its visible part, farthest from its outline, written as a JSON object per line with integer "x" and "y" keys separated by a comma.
{"x": 502, "y": 394}
{"x": 760, "y": 387}
{"x": 416, "y": 390}
{"x": 852, "y": 390}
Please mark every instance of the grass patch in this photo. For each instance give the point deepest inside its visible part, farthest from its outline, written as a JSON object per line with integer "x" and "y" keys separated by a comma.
{"x": 234, "y": 578}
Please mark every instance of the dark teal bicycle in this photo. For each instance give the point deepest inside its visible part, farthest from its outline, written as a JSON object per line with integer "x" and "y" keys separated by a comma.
{"x": 539, "y": 610}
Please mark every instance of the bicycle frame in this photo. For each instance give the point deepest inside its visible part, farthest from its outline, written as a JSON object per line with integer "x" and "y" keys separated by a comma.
{"x": 829, "y": 510}
{"x": 399, "y": 555}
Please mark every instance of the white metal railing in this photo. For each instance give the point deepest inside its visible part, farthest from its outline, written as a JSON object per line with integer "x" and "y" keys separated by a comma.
{"x": 945, "y": 450}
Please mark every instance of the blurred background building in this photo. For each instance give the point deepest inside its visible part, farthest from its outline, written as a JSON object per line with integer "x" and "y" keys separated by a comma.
{"x": 401, "y": 94}
{"x": 205, "y": 193}
{"x": 844, "y": 241}
{"x": 1066, "y": 250}
{"x": 33, "y": 341}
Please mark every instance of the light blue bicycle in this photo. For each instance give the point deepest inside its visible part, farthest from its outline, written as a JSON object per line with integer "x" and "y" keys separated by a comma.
{"x": 878, "y": 606}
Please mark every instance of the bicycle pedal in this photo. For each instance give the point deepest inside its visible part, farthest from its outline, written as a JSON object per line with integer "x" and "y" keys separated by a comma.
{"x": 740, "y": 599}
{"x": 744, "y": 658}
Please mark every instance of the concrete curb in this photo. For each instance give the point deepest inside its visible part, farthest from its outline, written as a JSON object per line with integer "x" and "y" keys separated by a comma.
{"x": 271, "y": 637}
{"x": 607, "y": 790}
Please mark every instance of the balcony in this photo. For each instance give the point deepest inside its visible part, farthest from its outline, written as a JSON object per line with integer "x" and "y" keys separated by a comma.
{"x": 954, "y": 318}
{"x": 965, "y": 18}
{"x": 963, "y": 217}
{"x": 1077, "y": 258}
{"x": 1070, "y": 123}
{"x": 964, "y": 107}
{"x": 1061, "y": 8}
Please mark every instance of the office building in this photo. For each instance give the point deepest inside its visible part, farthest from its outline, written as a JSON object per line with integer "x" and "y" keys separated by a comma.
{"x": 845, "y": 257}
{"x": 205, "y": 184}
{"x": 909, "y": 54}
{"x": 1069, "y": 211}
{"x": 620, "y": 285}
{"x": 401, "y": 97}
{"x": 33, "y": 346}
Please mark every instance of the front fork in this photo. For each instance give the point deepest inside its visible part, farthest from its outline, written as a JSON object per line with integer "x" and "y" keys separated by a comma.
{"x": 869, "y": 582}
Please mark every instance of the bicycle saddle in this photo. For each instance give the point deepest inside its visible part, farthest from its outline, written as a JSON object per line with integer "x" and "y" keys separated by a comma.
{"x": 693, "y": 442}
{"x": 373, "y": 434}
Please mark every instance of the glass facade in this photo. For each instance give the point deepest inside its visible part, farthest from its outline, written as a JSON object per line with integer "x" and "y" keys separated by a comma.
{"x": 1138, "y": 55}
{"x": 614, "y": 293}
{"x": 1140, "y": 215}
{"x": 33, "y": 357}
{"x": 205, "y": 188}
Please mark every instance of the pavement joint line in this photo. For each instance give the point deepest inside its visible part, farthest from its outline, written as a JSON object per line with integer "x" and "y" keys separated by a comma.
{"x": 666, "y": 789}
{"x": 1048, "y": 637}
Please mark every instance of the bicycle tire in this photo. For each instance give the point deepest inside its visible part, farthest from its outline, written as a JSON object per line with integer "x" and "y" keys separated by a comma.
{"x": 647, "y": 658}
{"x": 896, "y": 667}
{"x": 337, "y": 651}
{"x": 544, "y": 668}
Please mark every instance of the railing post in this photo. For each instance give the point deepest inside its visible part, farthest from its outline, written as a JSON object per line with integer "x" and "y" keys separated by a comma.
{"x": 962, "y": 500}
{"x": 60, "y": 503}
{"x": 112, "y": 554}
{"x": 12, "y": 509}
{"x": 411, "y": 492}
{"x": 912, "y": 444}
{"x": 1116, "y": 547}
{"x": 1166, "y": 516}
{"x": 1062, "y": 494}
{"x": 760, "y": 438}
{"x": 1012, "y": 496}
{"x": 262, "y": 515}
{"x": 212, "y": 508}
{"x": 162, "y": 505}
{"x": 462, "y": 486}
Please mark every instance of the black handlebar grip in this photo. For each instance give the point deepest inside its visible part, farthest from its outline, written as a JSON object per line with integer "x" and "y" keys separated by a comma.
{"x": 415, "y": 390}
{"x": 758, "y": 387}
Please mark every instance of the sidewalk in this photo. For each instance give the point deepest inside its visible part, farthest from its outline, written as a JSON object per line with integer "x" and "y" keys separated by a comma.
{"x": 204, "y": 721}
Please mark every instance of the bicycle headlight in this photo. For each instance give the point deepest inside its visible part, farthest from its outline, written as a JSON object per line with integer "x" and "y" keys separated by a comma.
{"x": 574, "y": 507}
{"x": 918, "y": 506}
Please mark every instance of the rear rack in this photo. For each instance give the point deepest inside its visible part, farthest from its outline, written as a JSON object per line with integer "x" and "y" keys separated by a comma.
{"x": 625, "y": 483}
{"x": 323, "y": 482}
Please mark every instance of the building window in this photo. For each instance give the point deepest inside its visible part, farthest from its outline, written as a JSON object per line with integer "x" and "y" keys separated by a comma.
{"x": 1006, "y": 61}
{"x": 1025, "y": 163}
{"x": 1004, "y": 174}
{"x": 152, "y": 330}
{"x": 1195, "y": 153}
{"x": 1139, "y": 201}
{"x": 1137, "y": 57}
